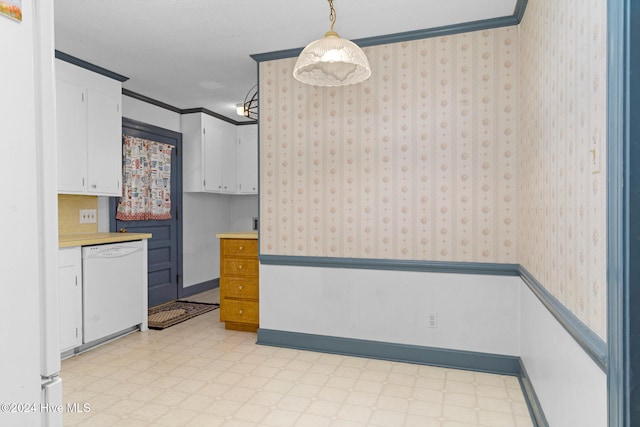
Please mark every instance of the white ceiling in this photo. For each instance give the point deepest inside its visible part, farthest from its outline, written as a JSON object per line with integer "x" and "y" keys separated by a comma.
{"x": 195, "y": 53}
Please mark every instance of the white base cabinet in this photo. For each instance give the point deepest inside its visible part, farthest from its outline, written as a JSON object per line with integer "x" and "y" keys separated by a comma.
{"x": 218, "y": 157}
{"x": 70, "y": 297}
{"x": 89, "y": 132}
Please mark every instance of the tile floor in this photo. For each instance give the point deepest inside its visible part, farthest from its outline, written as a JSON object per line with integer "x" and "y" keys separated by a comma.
{"x": 198, "y": 374}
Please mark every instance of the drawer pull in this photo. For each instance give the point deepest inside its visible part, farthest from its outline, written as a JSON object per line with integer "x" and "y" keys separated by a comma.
{"x": 240, "y": 287}
{"x": 241, "y": 248}
{"x": 240, "y": 267}
{"x": 240, "y": 311}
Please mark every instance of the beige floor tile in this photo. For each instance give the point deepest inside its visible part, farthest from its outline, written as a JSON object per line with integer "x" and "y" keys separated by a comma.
{"x": 459, "y": 399}
{"x": 223, "y": 407}
{"x": 384, "y": 418}
{"x": 420, "y": 421}
{"x": 345, "y": 423}
{"x": 324, "y": 408}
{"x": 311, "y": 420}
{"x": 425, "y": 409}
{"x": 294, "y": 403}
{"x": 266, "y": 398}
{"x": 495, "y": 419}
{"x": 355, "y": 413}
{"x": 332, "y": 394}
{"x": 252, "y": 413}
{"x": 452, "y": 386}
{"x": 362, "y": 398}
{"x": 197, "y": 373}
{"x": 179, "y": 416}
{"x": 459, "y": 414}
{"x": 395, "y": 404}
{"x": 281, "y": 418}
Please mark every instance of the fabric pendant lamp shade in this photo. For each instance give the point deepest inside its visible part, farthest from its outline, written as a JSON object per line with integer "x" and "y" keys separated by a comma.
{"x": 332, "y": 61}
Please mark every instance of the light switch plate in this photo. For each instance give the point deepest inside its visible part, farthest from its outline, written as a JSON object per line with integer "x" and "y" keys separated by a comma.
{"x": 88, "y": 216}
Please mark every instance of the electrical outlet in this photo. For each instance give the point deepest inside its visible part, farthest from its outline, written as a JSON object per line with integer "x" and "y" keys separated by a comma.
{"x": 432, "y": 320}
{"x": 88, "y": 216}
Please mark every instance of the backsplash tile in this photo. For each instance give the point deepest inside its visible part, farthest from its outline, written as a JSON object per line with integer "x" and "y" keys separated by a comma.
{"x": 69, "y": 206}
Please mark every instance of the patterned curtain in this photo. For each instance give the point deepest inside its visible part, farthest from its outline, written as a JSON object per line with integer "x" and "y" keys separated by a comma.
{"x": 146, "y": 190}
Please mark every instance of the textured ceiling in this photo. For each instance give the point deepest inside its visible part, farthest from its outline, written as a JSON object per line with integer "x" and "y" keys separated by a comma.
{"x": 195, "y": 53}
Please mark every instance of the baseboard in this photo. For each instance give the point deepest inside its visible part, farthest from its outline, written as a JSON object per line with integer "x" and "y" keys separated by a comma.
{"x": 446, "y": 358}
{"x": 200, "y": 287}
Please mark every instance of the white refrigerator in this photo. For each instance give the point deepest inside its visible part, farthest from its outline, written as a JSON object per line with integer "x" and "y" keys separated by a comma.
{"x": 30, "y": 390}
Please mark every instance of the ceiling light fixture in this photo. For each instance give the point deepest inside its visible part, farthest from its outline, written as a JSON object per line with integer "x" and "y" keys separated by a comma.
{"x": 331, "y": 60}
{"x": 249, "y": 108}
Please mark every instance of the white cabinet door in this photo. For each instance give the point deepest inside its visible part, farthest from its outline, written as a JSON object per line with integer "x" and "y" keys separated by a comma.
{"x": 211, "y": 137}
{"x": 219, "y": 155}
{"x": 216, "y": 159}
{"x": 248, "y": 159}
{"x": 229, "y": 168}
{"x": 89, "y": 132}
{"x": 104, "y": 142}
{"x": 70, "y": 297}
{"x": 193, "y": 153}
{"x": 71, "y": 113}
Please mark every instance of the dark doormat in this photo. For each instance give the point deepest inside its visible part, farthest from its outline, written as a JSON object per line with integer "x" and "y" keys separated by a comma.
{"x": 171, "y": 313}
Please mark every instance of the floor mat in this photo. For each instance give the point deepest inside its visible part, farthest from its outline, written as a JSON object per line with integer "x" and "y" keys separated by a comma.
{"x": 171, "y": 313}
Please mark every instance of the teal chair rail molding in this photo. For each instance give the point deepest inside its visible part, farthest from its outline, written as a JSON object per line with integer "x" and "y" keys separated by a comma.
{"x": 592, "y": 344}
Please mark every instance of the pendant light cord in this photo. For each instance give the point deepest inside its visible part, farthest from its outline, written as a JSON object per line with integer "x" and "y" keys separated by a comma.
{"x": 332, "y": 14}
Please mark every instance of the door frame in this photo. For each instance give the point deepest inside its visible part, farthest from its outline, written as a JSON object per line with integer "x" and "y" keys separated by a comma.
{"x": 176, "y": 203}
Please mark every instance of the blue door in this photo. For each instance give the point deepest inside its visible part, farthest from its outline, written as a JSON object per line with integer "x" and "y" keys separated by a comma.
{"x": 165, "y": 247}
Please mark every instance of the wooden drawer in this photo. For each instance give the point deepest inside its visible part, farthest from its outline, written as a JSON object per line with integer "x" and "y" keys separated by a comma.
{"x": 239, "y": 287}
{"x": 240, "y": 266}
{"x": 240, "y": 247}
{"x": 239, "y": 311}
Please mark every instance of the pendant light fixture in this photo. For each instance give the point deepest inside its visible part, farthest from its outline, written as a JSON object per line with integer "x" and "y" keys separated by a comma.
{"x": 332, "y": 60}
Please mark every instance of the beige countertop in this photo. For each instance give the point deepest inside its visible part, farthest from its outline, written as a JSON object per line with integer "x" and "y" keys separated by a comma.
{"x": 238, "y": 235}
{"x": 84, "y": 239}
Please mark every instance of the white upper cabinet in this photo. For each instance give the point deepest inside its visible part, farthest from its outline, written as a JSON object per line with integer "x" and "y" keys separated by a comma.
{"x": 89, "y": 132}
{"x": 104, "y": 144}
{"x": 248, "y": 159}
{"x": 72, "y": 147}
{"x": 213, "y": 161}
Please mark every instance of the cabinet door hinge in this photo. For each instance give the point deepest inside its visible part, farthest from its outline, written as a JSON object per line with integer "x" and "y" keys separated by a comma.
{"x": 76, "y": 332}
{"x": 177, "y": 214}
{"x": 76, "y": 280}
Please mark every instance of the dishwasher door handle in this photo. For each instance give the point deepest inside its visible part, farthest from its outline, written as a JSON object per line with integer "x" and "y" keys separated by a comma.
{"x": 115, "y": 252}
{"x": 109, "y": 251}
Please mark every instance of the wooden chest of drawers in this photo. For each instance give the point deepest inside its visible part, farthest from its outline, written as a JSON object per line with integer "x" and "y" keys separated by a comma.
{"x": 239, "y": 291}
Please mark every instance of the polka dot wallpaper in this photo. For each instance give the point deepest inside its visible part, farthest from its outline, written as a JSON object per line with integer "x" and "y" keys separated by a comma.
{"x": 417, "y": 163}
{"x": 562, "y": 152}
{"x": 479, "y": 147}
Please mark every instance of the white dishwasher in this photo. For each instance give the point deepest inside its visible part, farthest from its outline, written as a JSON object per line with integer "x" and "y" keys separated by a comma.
{"x": 112, "y": 280}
